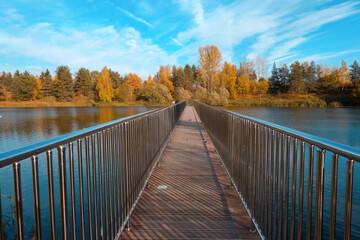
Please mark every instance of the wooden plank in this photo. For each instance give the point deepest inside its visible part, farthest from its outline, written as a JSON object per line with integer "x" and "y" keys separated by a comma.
{"x": 198, "y": 202}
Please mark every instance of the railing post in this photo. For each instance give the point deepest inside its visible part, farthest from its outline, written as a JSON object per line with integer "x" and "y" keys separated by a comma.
{"x": 18, "y": 202}
{"x": 63, "y": 193}
{"x": 36, "y": 193}
{"x": 348, "y": 200}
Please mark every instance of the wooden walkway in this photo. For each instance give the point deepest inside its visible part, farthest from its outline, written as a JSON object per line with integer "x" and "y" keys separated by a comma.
{"x": 198, "y": 202}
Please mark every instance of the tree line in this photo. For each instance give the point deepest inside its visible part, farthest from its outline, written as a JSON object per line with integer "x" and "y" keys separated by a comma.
{"x": 211, "y": 81}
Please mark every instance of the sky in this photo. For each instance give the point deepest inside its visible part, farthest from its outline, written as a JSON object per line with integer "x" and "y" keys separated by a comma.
{"x": 139, "y": 36}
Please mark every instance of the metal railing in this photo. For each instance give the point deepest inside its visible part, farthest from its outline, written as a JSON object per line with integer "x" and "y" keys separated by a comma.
{"x": 262, "y": 160}
{"x": 119, "y": 157}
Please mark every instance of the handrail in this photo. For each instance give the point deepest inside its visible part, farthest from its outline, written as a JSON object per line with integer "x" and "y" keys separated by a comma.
{"x": 342, "y": 149}
{"x": 19, "y": 154}
{"x": 265, "y": 161}
{"x": 119, "y": 157}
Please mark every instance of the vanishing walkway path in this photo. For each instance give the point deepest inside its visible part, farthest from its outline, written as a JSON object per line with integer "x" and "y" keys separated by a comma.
{"x": 189, "y": 194}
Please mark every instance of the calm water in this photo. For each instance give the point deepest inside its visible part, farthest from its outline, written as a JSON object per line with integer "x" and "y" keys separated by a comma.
{"x": 337, "y": 124}
{"x": 20, "y": 127}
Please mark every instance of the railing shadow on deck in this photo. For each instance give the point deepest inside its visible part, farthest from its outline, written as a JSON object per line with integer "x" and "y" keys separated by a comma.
{"x": 119, "y": 157}
{"x": 262, "y": 159}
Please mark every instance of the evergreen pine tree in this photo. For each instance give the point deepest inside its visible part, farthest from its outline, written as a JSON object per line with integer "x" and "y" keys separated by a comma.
{"x": 65, "y": 85}
{"x": 354, "y": 72}
{"x": 116, "y": 79}
{"x": 24, "y": 85}
{"x": 46, "y": 82}
{"x": 83, "y": 82}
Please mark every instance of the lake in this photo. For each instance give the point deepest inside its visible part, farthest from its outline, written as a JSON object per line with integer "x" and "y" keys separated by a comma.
{"x": 23, "y": 126}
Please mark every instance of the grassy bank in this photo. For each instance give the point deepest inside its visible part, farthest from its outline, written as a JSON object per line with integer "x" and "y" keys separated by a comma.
{"x": 284, "y": 100}
{"x": 33, "y": 104}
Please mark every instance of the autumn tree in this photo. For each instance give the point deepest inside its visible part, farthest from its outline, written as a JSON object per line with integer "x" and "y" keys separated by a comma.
{"x": 104, "y": 86}
{"x": 181, "y": 94}
{"x": 65, "y": 85}
{"x": 123, "y": 93}
{"x": 83, "y": 82}
{"x": 209, "y": 59}
{"x": 38, "y": 89}
{"x": 47, "y": 83}
{"x": 262, "y": 86}
{"x": 243, "y": 84}
{"x": 157, "y": 93}
{"x": 297, "y": 84}
{"x": 163, "y": 76}
{"x": 189, "y": 78}
{"x": 343, "y": 73}
{"x": 228, "y": 79}
{"x": 134, "y": 82}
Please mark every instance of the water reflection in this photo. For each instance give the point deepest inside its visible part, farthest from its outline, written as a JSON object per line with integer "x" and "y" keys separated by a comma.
{"x": 337, "y": 124}
{"x": 23, "y": 126}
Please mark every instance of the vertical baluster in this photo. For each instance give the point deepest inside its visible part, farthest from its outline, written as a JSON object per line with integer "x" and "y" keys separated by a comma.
{"x": 88, "y": 186}
{"x": 93, "y": 165}
{"x": 287, "y": 179}
{"x": 116, "y": 180}
{"x": 109, "y": 156}
{"x": 102, "y": 230}
{"x": 334, "y": 179}
{"x": 281, "y": 185}
{"x": 50, "y": 176}
{"x": 18, "y": 201}
{"x": 348, "y": 199}
{"x": 272, "y": 214}
{"x": 105, "y": 153}
{"x": 293, "y": 190}
{"x": 276, "y": 202}
{"x": 36, "y": 196}
{"x": 310, "y": 192}
{"x": 112, "y": 130}
{"x": 319, "y": 193}
{"x": 81, "y": 189}
{"x": 301, "y": 189}
{"x": 267, "y": 184}
{"x": 63, "y": 193}
{"x": 72, "y": 190}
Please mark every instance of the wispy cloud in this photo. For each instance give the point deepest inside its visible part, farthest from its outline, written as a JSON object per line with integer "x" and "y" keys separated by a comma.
{"x": 277, "y": 27}
{"x": 130, "y": 15}
{"x": 328, "y": 55}
{"x": 177, "y": 42}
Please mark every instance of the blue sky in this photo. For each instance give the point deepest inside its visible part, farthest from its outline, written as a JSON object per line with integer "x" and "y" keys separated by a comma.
{"x": 138, "y": 36}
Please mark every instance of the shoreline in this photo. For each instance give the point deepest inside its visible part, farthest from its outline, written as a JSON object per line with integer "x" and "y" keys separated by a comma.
{"x": 36, "y": 104}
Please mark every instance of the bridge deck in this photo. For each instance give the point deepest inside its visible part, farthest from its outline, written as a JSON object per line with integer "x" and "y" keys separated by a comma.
{"x": 198, "y": 202}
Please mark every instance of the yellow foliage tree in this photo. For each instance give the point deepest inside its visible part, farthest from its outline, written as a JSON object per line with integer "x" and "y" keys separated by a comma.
{"x": 209, "y": 59}
{"x": 164, "y": 77}
{"x": 104, "y": 85}
{"x": 344, "y": 73}
{"x": 148, "y": 81}
{"x": 133, "y": 80}
{"x": 38, "y": 88}
{"x": 242, "y": 85}
{"x": 228, "y": 79}
{"x": 262, "y": 87}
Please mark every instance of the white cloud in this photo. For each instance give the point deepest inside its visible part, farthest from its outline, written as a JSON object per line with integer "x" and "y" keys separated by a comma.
{"x": 130, "y": 15}
{"x": 177, "y": 42}
{"x": 324, "y": 56}
{"x": 276, "y": 26}
{"x": 122, "y": 50}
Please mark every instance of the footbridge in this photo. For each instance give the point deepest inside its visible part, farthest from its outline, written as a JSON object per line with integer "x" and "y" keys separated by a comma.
{"x": 182, "y": 172}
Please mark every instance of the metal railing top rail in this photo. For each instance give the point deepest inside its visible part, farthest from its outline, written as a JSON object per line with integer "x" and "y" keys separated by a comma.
{"x": 22, "y": 153}
{"x": 344, "y": 150}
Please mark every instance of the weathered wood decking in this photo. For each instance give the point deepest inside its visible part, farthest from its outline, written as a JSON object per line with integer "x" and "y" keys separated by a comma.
{"x": 198, "y": 202}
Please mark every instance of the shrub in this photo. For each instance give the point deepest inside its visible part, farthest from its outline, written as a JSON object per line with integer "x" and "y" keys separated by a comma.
{"x": 157, "y": 93}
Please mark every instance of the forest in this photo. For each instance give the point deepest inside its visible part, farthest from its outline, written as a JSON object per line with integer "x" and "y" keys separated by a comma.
{"x": 211, "y": 81}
